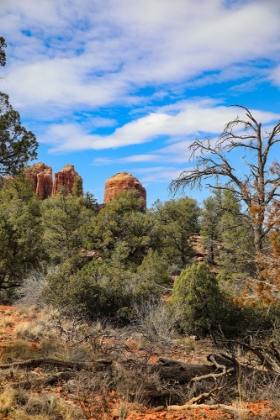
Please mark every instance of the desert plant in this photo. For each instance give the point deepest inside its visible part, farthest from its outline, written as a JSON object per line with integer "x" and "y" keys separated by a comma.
{"x": 17, "y": 350}
{"x": 29, "y": 293}
{"x": 156, "y": 320}
{"x": 93, "y": 395}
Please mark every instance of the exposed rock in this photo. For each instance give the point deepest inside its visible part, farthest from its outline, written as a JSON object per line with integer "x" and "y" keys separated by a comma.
{"x": 122, "y": 182}
{"x": 44, "y": 186}
{"x": 42, "y": 177}
{"x": 65, "y": 178}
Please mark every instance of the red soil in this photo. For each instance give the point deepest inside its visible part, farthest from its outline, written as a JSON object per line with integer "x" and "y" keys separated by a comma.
{"x": 258, "y": 410}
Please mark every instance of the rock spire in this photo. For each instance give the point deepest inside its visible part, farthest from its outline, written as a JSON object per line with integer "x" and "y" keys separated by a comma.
{"x": 44, "y": 186}
{"x": 65, "y": 178}
{"x": 41, "y": 175}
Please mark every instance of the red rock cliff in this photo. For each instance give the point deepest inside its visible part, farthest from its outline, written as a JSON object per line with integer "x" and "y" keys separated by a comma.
{"x": 121, "y": 182}
{"x": 42, "y": 177}
{"x": 66, "y": 177}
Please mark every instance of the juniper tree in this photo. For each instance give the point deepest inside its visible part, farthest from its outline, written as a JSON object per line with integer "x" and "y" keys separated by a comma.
{"x": 21, "y": 247}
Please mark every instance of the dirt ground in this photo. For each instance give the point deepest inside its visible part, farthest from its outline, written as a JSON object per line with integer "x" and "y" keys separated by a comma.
{"x": 116, "y": 407}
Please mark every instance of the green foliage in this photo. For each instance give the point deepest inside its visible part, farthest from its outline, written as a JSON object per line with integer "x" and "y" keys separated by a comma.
{"x": 197, "y": 292}
{"x": 63, "y": 219}
{"x": 17, "y": 145}
{"x": 98, "y": 288}
{"x": 122, "y": 235}
{"x": 236, "y": 253}
{"x": 77, "y": 189}
{"x": 21, "y": 232}
{"x": 90, "y": 201}
{"x": 207, "y": 308}
{"x": 3, "y": 45}
{"x": 227, "y": 235}
{"x": 123, "y": 223}
{"x": 155, "y": 269}
{"x": 178, "y": 221}
{"x": 210, "y": 229}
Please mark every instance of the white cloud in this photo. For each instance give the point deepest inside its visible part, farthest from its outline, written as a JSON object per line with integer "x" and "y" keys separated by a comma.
{"x": 157, "y": 174}
{"x": 178, "y": 123}
{"x": 94, "y": 53}
{"x": 275, "y": 75}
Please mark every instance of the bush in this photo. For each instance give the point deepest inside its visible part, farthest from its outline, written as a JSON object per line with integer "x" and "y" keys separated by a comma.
{"x": 156, "y": 321}
{"x": 98, "y": 289}
{"x": 205, "y": 307}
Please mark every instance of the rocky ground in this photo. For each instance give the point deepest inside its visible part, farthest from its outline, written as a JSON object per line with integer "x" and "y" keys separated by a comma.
{"x": 44, "y": 375}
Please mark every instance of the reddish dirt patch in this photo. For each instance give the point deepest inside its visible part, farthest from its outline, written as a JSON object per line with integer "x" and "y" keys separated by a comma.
{"x": 258, "y": 410}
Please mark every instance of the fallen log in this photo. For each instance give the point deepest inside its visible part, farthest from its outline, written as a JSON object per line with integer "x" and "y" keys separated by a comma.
{"x": 223, "y": 407}
{"x": 47, "y": 381}
{"x": 33, "y": 363}
{"x": 180, "y": 372}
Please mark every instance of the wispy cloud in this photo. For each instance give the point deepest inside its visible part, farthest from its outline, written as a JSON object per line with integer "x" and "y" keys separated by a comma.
{"x": 175, "y": 123}
{"x": 138, "y": 80}
{"x": 96, "y": 53}
{"x": 157, "y": 174}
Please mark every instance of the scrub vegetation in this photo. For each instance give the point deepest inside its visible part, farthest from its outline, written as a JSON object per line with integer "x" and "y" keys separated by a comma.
{"x": 99, "y": 297}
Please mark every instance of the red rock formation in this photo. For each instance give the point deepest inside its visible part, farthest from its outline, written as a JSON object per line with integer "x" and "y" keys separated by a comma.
{"x": 42, "y": 177}
{"x": 65, "y": 178}
{"x": 121, "y": 182}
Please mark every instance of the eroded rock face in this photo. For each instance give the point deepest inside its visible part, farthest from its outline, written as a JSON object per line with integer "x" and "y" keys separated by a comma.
{"x": 44, "y": 186}
{"x": 65, "y": 178}
{"x": 122, "y": 182}
{"x": 41, "y": 175}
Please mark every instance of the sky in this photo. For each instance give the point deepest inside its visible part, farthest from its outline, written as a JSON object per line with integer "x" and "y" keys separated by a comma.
{"x": 128, "y": 85}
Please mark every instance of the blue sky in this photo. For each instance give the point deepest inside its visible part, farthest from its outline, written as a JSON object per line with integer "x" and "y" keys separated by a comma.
{"x": 127, "y": 85}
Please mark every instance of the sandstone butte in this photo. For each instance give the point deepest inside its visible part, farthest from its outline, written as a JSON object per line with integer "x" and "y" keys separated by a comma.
{"x": 44, "y": 186}
{"x": 122, "y": 182}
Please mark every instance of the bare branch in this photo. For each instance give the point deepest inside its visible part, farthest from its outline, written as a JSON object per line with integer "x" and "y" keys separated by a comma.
{"x": 257, "y": 187}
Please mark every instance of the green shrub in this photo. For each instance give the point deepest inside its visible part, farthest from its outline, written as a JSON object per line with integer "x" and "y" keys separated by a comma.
{"x": 99, "y": 288}
{"x": 204, "y": 306}
{"x": 207, "y": 308}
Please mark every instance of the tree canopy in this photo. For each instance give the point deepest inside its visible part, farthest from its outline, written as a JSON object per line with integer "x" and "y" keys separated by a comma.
{"x": 17, "y": 145}
{"x": 258, "y": 187}
{"x": 21, "y": 234}
{"x": 3, "y": 45}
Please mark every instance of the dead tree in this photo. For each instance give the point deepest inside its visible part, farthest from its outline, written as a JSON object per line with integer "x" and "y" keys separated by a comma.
{"x": 258, "y": 188}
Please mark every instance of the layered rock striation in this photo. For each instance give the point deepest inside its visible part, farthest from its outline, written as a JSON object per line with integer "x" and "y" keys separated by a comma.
{"x": 121, "y": 182}
{"x": 41, "y": 175}
{"x": 44, "y": 186}
{"x": 65, "y": 179}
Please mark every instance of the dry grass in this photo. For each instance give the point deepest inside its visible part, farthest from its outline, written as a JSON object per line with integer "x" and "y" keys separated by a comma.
{"x": 17, "y": 350}
{"x": 20, "y": 405}
{"x": 6, "y": 321}
{"x": 69, "y": 339}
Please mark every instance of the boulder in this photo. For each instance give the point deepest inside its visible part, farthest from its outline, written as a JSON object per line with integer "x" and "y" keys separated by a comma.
{"x": 122, "y": 182}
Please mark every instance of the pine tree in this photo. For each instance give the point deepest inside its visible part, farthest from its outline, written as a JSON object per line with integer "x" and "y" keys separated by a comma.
{"x": 178, "y": 220}
{"x": 210, "y": 228}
